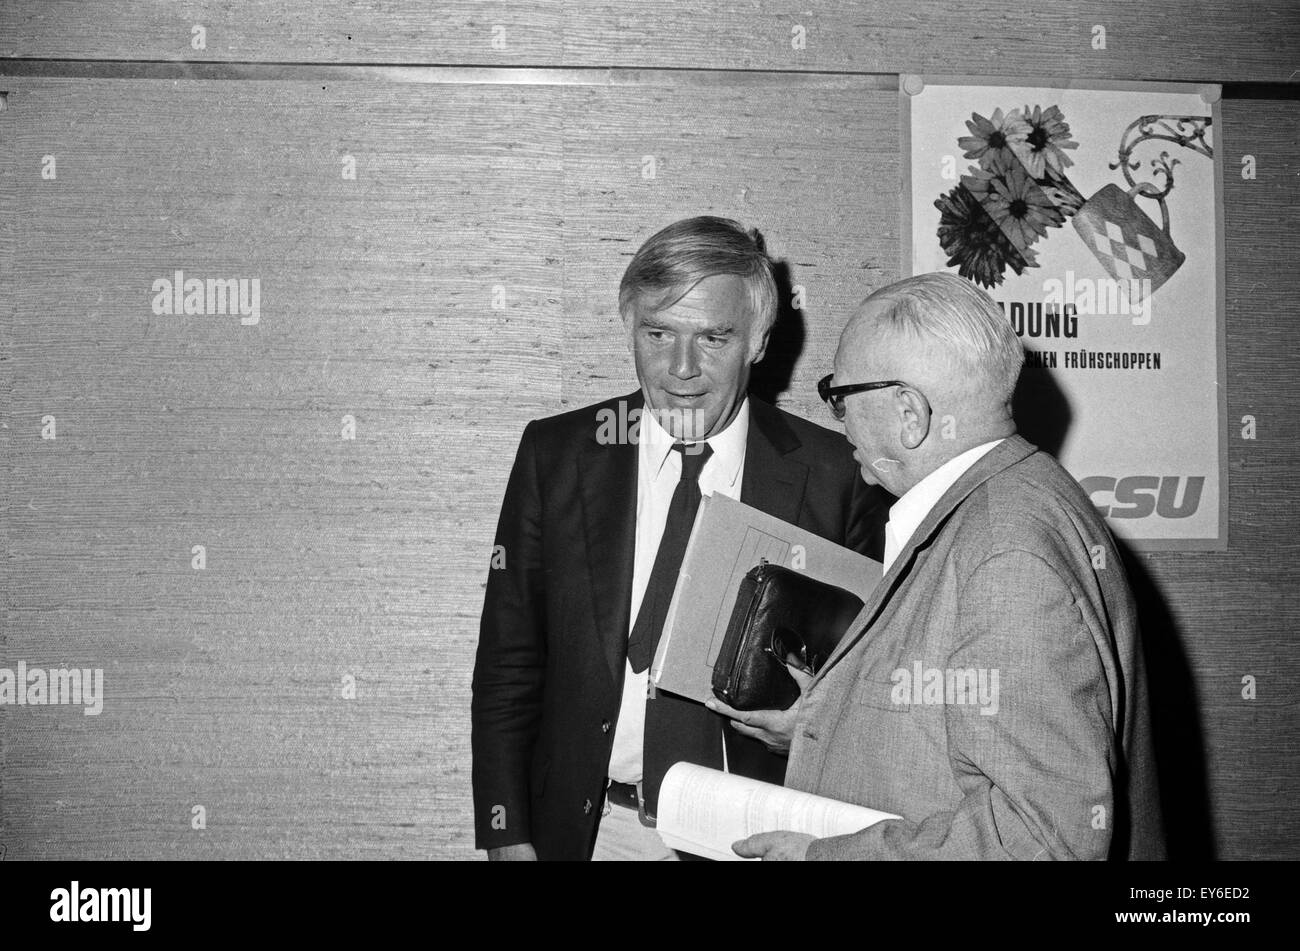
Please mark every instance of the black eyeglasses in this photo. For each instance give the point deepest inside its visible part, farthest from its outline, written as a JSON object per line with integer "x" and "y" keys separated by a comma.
{"x": 834, "y": 395}
{"x": 789, "y": 648}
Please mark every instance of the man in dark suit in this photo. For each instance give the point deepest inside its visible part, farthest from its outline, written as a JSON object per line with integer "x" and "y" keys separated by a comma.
{"x": 568, "y": 746}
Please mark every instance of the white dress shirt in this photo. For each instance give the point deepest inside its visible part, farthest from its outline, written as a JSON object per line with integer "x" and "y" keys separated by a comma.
{"x": 906, "y": 515}
{"x": 658, "y": 471}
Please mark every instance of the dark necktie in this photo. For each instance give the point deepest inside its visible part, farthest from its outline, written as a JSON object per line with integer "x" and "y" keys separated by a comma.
{"x": 668, "y": 561}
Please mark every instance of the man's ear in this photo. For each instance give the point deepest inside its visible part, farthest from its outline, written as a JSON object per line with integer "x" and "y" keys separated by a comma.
{"x": 762, "y": 347}
{"x": 913, "y": 416}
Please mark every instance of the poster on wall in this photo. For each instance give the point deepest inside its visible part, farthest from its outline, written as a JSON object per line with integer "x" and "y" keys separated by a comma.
{"x": 1093, "y": 216}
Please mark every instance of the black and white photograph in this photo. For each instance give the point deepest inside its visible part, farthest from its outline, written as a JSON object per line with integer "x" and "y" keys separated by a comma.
{"x": 648, "y": 431}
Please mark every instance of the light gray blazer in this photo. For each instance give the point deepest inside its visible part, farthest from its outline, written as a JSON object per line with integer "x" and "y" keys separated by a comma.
{"x": 1012, "y": 583}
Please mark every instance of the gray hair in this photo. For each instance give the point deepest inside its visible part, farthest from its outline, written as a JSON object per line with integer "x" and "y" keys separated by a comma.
{"x": 963, "y": 320}
{"x": 676, "y": 258}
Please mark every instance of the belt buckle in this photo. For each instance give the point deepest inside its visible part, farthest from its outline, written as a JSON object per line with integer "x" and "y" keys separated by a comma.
{"x": 642, "y": 816}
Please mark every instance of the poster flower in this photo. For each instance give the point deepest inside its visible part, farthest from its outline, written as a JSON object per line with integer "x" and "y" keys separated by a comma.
{"x": 976, "y": 246}
{"x": 1046, "y": 136}
{"x": 1018, "y": 191}
{"x": 1014, "y": 201}
{"x": 992, "y": 137}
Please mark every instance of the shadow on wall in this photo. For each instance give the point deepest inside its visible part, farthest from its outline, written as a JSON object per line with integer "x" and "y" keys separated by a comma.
{"x": 771, "y": 376}
{"x": 1175, "y": 721}
{"x": 1041, "y": 410}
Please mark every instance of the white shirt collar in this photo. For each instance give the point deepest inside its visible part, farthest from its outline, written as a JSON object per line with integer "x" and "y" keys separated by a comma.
{"x": 906, "y": 515}
{"x": 728, "y": 446}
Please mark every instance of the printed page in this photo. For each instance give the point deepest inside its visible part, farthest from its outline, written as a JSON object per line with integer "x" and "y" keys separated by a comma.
{"x": 703, "y": 811}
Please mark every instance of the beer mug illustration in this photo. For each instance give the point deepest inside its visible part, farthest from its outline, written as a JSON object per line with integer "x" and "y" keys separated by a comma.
{"x": 1127, "y": 243}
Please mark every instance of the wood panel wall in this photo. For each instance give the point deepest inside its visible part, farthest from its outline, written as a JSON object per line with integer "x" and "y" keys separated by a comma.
{"x": 365, "y": 558}
{"x": 1194, "y": 40}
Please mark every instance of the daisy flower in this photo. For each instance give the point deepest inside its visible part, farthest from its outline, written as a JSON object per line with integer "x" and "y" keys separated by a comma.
{"x": 1016, "y": 203}
{"x": 974, "y": 243}
{"x": 1046, "y": 134}
{"x": 992, "y": 138}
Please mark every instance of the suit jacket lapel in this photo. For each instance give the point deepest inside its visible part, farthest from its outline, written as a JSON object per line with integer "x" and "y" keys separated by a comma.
{"x": 1011, "y": 451}
{"x": 774, "y": 481}
{"x": 608, "y": 477}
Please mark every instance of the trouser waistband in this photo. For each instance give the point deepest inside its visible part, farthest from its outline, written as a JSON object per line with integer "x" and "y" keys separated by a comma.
{"x": 628, "y": 795}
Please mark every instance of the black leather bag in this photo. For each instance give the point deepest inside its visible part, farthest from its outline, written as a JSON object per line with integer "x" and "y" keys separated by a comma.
{"x": 778, "y": 612}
